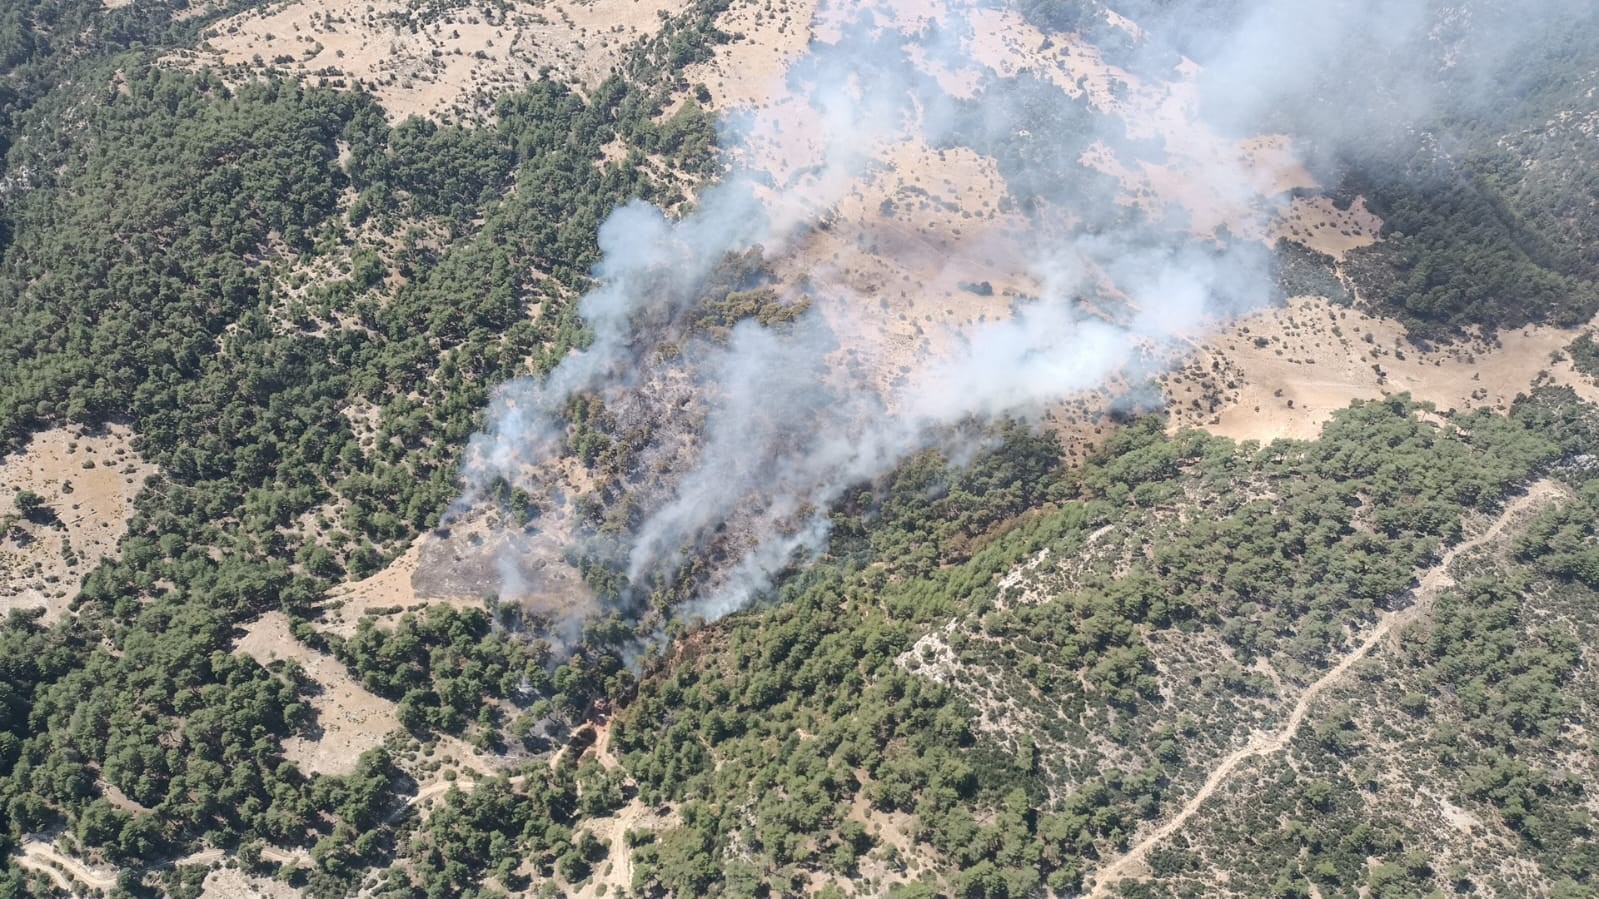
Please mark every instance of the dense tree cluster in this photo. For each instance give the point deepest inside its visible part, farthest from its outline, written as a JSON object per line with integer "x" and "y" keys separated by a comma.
{"x": 1585, "y": 355}
{"x": 782, "y": 739}
{"x": 162, "y": 228}
{"x": 780, "y": 721}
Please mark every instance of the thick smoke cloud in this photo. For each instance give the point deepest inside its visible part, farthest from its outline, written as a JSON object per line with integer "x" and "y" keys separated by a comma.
{"x": 1356, "y": 79}
{"x": 752, "y": 434}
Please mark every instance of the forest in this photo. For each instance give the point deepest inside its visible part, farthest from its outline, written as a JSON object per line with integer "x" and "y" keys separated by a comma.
{"x": 925, "y": 710}
{"x": 139, "y": 293}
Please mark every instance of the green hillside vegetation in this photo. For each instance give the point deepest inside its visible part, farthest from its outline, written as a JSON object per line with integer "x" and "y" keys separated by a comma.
{"x": 995, "y": 675}
{"x": 194, "y": 259}
{"x": 1488, "y": 211}
{"x": 792, "y": 732}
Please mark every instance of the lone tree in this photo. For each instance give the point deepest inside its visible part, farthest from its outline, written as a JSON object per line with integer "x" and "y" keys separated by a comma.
{"x": 32, "y": 506}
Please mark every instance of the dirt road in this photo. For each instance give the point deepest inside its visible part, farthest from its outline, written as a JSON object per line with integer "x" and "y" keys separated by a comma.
{"x": 1432, "y": 582}
{"x": 43, "y": 857}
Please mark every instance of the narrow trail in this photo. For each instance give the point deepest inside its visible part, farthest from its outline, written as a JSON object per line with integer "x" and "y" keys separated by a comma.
{"x": 38, "y": 855}
{"x": 1431, "y": 583}
{"x": 69, "y": 873}
{"x": 439, "y": 788}
{"x": 436, "y": 788}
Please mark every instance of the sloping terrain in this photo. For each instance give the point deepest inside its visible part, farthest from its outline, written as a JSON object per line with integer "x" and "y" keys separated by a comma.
{"x": 634, "y": 448}
{"x": 348, "y": 720}
{"x": 932, "y": 230}
{"x": 1134, "y": 863}
{"x": 1283, "y": 372}
{"x": 438, "y": 60}
{"x": 1146, "y": 655}
{"x": 78, "y": 488}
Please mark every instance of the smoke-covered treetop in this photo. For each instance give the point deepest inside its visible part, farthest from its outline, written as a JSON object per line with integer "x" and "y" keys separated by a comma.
{"x": 959, "y": 218}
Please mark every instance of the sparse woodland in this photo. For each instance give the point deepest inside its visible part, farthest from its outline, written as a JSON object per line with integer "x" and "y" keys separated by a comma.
{"x": 997, "y": 676}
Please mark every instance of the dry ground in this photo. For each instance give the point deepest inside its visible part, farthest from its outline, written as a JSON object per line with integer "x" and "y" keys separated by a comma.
{"x": 393, "y": 591}
{"x": 89, "y": 480}
{"x": 350, "y": 719}
{"x": 916, "y": 225}
{"x": 440, "y": 60}
{"x": 231, "y": 883}
{"x": 68, "y": 873}
{"x": 768, "y": 37}
{"x": 614, "y": 875}
{"x": 1318, "y": 223}
{"x": 920, "y": 248}
{"x": 1284, "y": 371}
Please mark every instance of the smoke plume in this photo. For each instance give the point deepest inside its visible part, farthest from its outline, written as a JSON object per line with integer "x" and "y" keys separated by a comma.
{"x": 1088, "y": 210}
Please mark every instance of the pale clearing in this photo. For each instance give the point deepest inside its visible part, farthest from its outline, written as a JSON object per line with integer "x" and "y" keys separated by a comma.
{"x": 614, "y": 875}
{"x": 441, "y": 60}
{"x": 1318, "y": 223}
{"x": 231, "y": 883}
{"x": 349, "y": 719}
{"x": 1209, "y": 179}
{"x": 768, "y": 36}
{"x": 67, "y": 872}
{"x": 1283, "y": 371}
{"x": 923, "y": 247}
{"x": 88, "y": 481}
{"x": 385, "y": 596}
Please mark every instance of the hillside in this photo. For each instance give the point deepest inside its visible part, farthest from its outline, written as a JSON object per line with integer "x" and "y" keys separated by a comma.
{"x": 776, "y": 447}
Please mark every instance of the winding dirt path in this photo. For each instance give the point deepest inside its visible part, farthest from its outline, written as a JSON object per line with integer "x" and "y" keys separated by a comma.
{"x": 1431, "y": 583}
{"x": 45, "y": 858}
{"x": 432, "y": 790}
{"x": 68, "y": 873}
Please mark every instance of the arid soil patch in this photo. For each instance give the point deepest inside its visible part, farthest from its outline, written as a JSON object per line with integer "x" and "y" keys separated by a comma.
{"x": 231, "y": 883}
{"x": 349, "y": 719}
{"x": 924, "y": 253}
{"x": 434, "y": 59}
{"x": 87, "y": 481}
{"x": 767, "y": 37}
{"x": 922, "y": 245}
{"x": 1284, "y": 371}
{"x": 391, "y": 592}
{"x": 464, "y": 565}
{"x": 1318, "y": 223}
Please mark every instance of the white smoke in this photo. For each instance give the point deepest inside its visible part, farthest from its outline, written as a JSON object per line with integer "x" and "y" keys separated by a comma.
{"x": 758, "y": 433}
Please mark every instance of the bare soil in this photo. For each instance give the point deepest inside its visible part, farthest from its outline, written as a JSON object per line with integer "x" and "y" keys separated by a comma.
{"x": 918, "y": 248}
{"x": 231, "y": 883}
{"x": 349, "y": 719}
{"x": 768, "y": 36}
{"x": 1284, "y": 371}
{"x": 1318, "y": 223}
{"x": 388, "y": 594}
{"x": 68, "y": 873}
{"x": 88, "y": 481}
{"x": 439, "y": 60}
{"x": 615, "y": 872}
